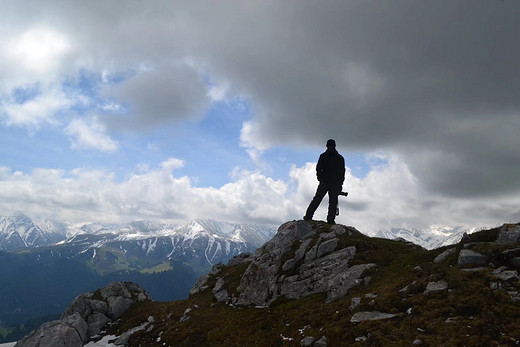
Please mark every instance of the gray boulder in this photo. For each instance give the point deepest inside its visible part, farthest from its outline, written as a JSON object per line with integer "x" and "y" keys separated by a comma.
{"x": 370, "y": 315}
{"x": 508, "y": 275}
{"x": 436, "y": 286}
{"x": 307, "y": 341}
{"x": 509, "y": 233}
{"x": 87, "y": 316}
{"x": 68, "y": 332}
{"x": 469, "y": 257}
{"x": 441, "y": 257}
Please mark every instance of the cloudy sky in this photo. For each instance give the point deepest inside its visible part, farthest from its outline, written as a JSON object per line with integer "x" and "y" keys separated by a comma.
{"x": 172, "y": 110}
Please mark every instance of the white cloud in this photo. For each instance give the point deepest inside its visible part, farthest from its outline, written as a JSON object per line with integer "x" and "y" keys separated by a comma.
{"x": 85, "y": 195}
{"x": 35, "y": 112}
{"x": 389, "y": 196}
{"x": 171, "y": 164}
{"x": 90, "y": 135}
{"x": 38, "y": 49}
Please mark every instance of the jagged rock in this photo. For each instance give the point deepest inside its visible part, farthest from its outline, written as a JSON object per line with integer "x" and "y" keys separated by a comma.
{"x": 436, "y": 286}
{"x": 298, "y": 255}
{"x": 68, "y": 332}
{"x": 302, "y": 259}
{"x": 509, "y": 233}
{"x": 370, "y": 315}
{"x": 320, "y": 268}
{"x": 200, "y": 285}
{"x": 87, "y": 315}
{"x": 469, "y": 257}
{"x": 441, "y": 257}
{"x": 219, "y": 291}
{"x": 326, "y": 247}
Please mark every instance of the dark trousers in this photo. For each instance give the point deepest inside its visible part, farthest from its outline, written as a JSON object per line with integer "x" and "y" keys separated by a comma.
{"x": 323, "y": 189}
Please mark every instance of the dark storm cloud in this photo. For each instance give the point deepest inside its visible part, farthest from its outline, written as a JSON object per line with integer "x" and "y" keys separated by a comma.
{"x": 158, "y": 95}
{"x": 436, "y": 81}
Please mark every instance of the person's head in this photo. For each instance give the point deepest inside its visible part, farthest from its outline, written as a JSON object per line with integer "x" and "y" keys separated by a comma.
{"x": 331, "y": 143}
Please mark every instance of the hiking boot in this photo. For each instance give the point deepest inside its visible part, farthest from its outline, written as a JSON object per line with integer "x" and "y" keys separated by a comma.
{"x": 308, "y": 219}
{"x": 331, "y": 222}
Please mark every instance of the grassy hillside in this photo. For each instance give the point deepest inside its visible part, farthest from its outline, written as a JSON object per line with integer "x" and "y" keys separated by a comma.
{"x": 477, "y": 308}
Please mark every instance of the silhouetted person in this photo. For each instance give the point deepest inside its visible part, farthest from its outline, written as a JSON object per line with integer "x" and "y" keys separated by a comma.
{"x": 330, "y": 171}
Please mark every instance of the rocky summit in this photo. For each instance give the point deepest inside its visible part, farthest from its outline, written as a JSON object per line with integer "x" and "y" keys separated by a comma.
{"x": 299, "y": 261}
{"x": 315, "y": 284}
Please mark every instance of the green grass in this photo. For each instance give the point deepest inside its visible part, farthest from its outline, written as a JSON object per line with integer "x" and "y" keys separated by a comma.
{"x": 164, "y": 266}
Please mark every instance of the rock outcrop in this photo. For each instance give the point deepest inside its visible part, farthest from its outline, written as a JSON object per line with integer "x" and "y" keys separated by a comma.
{"x": 302, "y": 259}
{"x": 88, "y": 314}
{"x": 509, "y": 233}
{"x": 467, "y": 256}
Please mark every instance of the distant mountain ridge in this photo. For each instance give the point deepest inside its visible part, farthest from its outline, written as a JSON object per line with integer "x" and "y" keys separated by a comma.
{"x": 432, "y": 238}
{"x": 21, "y": 231}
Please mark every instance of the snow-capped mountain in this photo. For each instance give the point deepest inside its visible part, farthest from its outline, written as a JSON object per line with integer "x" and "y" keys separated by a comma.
{"x": 434, "y": 237}
{"x": 20, "y": 231}
{"x": 217, "y": 238}
{"x": 201, "y": 242}
{"x": 197, "y": 243}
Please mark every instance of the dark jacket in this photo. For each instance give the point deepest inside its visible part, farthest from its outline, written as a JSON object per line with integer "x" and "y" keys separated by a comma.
{"x": 330, "y": 169}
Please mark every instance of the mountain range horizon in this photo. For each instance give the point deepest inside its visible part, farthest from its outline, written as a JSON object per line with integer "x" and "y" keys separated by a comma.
{"x": 22, "y": 230}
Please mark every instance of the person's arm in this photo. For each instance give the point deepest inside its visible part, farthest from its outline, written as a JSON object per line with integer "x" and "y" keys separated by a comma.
{"x": 319, "y": 168}
{"x": 343, "y": 166}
